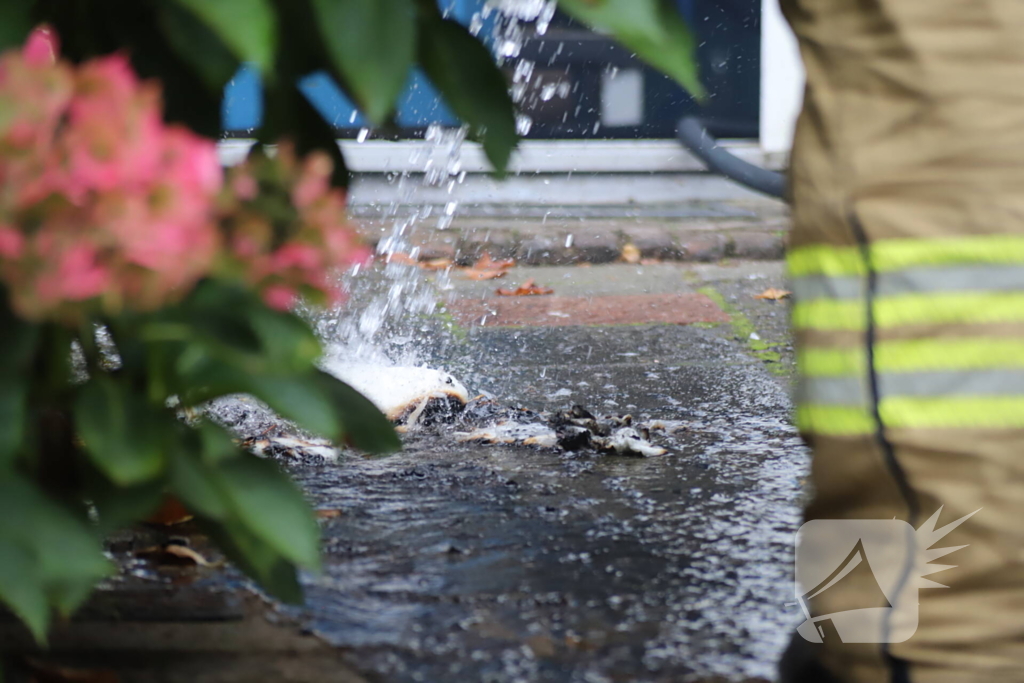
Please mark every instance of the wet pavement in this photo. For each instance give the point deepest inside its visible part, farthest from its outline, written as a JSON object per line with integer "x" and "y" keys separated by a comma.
{"x": 459, "y": 562}
{"x": 510, "y": 564}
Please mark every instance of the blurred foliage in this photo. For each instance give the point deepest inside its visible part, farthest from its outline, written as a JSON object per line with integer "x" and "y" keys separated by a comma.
{"x": 80, "y": 457}
{"x": 90, "y": 449}
{"x": 195, "y": 46}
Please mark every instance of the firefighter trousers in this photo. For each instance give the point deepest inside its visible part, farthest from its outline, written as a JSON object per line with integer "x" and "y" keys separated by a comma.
{"x": 907, "y": 267}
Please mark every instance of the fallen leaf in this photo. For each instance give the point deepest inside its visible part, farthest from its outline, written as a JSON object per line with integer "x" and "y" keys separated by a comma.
{"x": 528, "y": 288}
{"x": 650, "y": 261}
{"x": 773, "y": 294}
{"x": 45, "y": 672}
{"x": 486, "y": 268}
{"x": 630, "y": 253}
{"x": 401, "y": 259}
{"x": 328, "y": 514}
{"x": 485, "y": 262}
{"x": 170, "y": 512}
{"x": 474, "y": 274}
{"x": 173, "y": 553}
{"x": 436, "y": 264}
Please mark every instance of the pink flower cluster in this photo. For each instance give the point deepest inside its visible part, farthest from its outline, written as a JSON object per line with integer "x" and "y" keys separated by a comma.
{"x": 286, "y": 229}
{"x": 100, "y": 201}
{"x": 104, "y": 207}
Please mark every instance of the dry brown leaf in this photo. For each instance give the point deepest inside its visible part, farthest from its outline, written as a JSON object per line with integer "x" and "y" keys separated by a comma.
{"x": 173, "y": 553}
{"x": 528, "y": 288}
{"x": 630, "y": 253}
{"x": 474, "y": 274}
{"x": 328, "y": 514}
{"x": 485, "y": 262}
{"x": 773, "y": 294}
{"x": 401, "y": 259}
{"x": 47, "y": 672}
{"x": 170, "y": 512}
{"x": 436, "y": 264}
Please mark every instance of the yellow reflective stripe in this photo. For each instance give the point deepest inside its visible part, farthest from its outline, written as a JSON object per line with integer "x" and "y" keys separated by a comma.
{"x": 900, "y": 254}
{"x": 980, "y": 412}
{"x": 834, "y": 420}
{"x": 915, "y": 355}
{"x": 959, "y": 308}
{"x": 830, "y": 314}
{"x": 911, "y": 309}
{"x": 821, "y": 259}
{"x": 889, "y": 255}
{"x": 831, "y": 362}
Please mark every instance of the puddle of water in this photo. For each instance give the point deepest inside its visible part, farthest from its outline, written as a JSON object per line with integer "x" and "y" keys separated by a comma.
{"x": 455, "y": 562}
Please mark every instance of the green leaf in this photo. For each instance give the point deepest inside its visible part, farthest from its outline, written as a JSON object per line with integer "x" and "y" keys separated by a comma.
{"x": 13, "y": 414}
{"x": 471, "y": 83}
{"x": 286, "y": 339}
{"x": 197, "y": 45}
{"x": 15, "y": 23}
{"x": 120, "y": 430}
{"x": 66, "y": 554}
{"x": 245, "y": 26}
{"x": 363, "y": 425}
{"x": 372, "y": 44}
{"x": 216, "y": 444}
{"x": 197, "y": 486}
{"x": 652, "y": 29}
{"x": 256, "y": 558}
{"x": 120, "y": 506}
{"x": 300, "y": 399}
{"x": 21, "y": 589}
{"x": 269, "y": 504}
{"x": 18, "y": 341}
{"x": 18, "y": 344}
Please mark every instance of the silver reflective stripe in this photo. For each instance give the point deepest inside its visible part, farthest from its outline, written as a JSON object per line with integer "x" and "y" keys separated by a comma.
{"x": 986, "y": 278}
{"x": 833, "y": 391}
{"x": 823, "y": 287}
{"x": 973, "y": 383}
{"x": 854, "y": 391}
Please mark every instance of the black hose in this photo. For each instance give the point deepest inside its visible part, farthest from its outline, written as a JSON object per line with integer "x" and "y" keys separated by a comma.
{"x": 692, "y": 135}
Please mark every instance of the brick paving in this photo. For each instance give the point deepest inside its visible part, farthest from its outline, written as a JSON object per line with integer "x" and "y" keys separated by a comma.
{"x": 556, "y": 311}
{"x": 532, "y": 240}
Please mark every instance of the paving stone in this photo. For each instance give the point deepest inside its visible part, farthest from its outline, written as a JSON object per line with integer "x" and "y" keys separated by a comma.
{"x": 436, "y": 245}
{"x": 600, "y": 247}
{"x": 655, "y": 243}
{"x": 500, "y": 244}
{"x": 538, "y": 251}
{"x": 710, "y": 247}
{"x": 557, "y": 311}
{"x": 763, "y": 246}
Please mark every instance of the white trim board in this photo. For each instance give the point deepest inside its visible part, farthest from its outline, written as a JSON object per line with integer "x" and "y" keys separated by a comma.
{"x": 533, "y": 156}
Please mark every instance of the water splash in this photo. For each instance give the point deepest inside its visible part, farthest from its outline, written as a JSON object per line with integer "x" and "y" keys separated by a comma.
{"x": 391, "y": 303}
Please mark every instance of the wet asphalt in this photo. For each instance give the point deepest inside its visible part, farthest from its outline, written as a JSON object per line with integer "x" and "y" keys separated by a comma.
{"x": 467, "y": 562}
{"x": 458, "y": 562}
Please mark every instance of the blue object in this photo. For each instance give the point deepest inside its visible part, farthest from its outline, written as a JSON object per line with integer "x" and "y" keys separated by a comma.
{"x": 419, "y": 104}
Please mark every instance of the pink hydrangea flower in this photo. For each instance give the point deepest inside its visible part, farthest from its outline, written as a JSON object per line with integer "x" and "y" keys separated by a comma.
{"x": 12, "y": 243}
{"x": 104, "y": 207}
{"x": 42, "y": 47}
{"x": 311, "y": 248}
{"x": 125, "y": 207}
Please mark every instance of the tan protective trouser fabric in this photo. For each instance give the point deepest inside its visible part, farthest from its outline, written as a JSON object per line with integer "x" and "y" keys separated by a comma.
{"x": 913, "y": 127}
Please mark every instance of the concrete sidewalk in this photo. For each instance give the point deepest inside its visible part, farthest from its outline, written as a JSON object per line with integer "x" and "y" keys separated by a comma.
{"x": 556, "y": 235}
